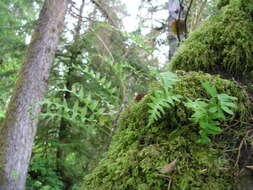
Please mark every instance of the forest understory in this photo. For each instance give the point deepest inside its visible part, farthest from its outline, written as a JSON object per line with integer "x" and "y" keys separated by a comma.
{"x": 119, "y": 95}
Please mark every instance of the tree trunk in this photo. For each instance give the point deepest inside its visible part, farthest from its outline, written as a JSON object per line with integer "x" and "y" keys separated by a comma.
{"x": 19, "y": 128}
{"x": 173, "y": 8}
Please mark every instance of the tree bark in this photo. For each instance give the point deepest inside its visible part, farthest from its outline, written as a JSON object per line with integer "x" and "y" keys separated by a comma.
{"x": 107, "y": 12}
{"x": 19, "y": 128}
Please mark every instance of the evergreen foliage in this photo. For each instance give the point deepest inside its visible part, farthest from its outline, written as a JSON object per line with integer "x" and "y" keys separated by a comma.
{"x": 193, "y": 121}
{"x": 88, "y": 86}
{"x": 17, "y": 21}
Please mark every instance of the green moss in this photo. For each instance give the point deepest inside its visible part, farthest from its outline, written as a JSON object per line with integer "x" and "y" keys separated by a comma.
{"x": 139, "y": 151}
{"x": 223, "y": 44}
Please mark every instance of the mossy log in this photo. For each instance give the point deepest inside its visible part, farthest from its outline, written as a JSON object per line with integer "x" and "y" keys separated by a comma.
{"x": 139, "y": 152}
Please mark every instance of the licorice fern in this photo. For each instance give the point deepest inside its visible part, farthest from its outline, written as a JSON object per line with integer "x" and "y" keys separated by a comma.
{"x": 164, "y": 98}
{"x": 85, "y": 111}
{"x": 101, "y": 80}
{"x": 209, "y": 114}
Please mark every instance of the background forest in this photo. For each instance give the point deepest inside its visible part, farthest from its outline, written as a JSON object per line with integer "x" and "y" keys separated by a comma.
{"x": 103, "y": 63}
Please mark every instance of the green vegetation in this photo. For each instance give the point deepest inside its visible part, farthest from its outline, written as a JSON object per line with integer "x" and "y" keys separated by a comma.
{"x": 116, "y": 118}
{"x": 164, "y": 98}
{"x": 209, "y": 113}
{"x": 222, "y": 44}
{"x": 139, "y": 151}
{"x": 162, "y": 131}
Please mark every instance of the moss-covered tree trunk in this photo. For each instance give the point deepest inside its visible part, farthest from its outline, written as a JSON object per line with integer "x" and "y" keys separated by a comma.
{"x": 19, "y": 128}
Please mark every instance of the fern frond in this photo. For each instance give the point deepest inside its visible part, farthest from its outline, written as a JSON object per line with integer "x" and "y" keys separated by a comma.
{"x": 209, "y": 114}
{"x": 163, "y": 99}
{"x": 160, "y": 101}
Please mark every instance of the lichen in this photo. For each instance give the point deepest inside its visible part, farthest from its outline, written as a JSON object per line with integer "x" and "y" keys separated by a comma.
{"x": 138, "y": 151}
{"x": 222, "y": 44}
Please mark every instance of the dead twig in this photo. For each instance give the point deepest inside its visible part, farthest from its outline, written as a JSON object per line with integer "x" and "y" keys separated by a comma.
{"x": 243, "y": 141}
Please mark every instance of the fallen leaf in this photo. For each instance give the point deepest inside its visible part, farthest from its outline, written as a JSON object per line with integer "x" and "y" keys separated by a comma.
{"x": 168, "y": 167}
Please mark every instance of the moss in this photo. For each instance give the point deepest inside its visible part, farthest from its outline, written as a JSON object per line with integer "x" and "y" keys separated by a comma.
{"x": 223, "y": 44}
{"x": 139, "y": 151}
{"x": 222, "y": 3}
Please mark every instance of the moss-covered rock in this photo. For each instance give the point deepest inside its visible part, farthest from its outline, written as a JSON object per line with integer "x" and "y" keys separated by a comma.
{"x": 138, "y": 151}
{"x": 223, "y": 44}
